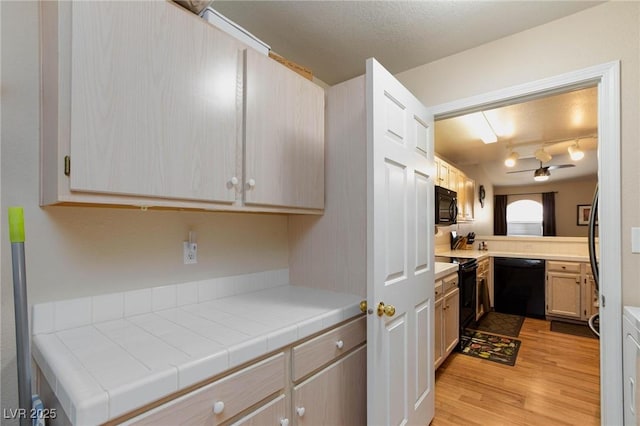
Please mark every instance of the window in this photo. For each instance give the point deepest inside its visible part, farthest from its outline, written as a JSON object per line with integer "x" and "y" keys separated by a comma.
{"x": 524, "y": 217}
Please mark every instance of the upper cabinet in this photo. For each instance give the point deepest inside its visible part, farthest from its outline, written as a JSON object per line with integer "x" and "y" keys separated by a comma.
{"x": 144, "y": 105}
{"x": 454, "y": 179}
{"x": 284, "y": 140}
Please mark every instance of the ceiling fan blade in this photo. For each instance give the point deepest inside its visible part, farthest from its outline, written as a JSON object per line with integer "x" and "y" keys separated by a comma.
{"x": 560, "y": 166}
{"x": 522, "y": 171}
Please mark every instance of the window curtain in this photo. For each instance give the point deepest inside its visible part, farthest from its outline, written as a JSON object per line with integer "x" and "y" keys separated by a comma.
{"x": 549, "y": 214}
{"x": 500, "y": 215}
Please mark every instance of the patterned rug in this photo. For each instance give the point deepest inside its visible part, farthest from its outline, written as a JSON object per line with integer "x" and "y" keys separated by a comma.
{"x": 582, "y": 330}
{"x": 502, "y": 350}
{"x": 499, "y": 323}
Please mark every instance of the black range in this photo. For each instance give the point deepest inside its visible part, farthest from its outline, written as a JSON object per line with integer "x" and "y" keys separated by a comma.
{"x": 467, "y": 268}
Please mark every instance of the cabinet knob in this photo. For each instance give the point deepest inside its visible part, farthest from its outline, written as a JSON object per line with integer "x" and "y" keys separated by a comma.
{"x": 251, "y": 183}
{"x": 300, "y": 411}
{"x": 218, "y": 407}
{"x": 233, "y": 181}
{"x": 284, "y": 422}
{"x": 339, "y": 344}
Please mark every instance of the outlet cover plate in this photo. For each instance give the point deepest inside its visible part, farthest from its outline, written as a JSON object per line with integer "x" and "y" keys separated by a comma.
{"x": 190, "y": 253}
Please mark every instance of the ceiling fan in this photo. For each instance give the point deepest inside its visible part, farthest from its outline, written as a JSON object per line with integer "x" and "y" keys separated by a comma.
{"x": 542, "y": 173}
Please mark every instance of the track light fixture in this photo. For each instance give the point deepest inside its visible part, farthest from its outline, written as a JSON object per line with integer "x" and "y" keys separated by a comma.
{"x": 542, "y": 155}
{"x": 575, "y": 152}
{"x": 511, "y": 159}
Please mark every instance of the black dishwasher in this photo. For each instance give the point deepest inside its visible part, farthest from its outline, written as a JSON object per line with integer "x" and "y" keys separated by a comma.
{"x": 519, "y": 286}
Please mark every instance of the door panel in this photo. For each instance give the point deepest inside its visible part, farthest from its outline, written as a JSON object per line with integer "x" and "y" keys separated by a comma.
{"x": 424, "y": 326}
{"x": 400, "y": 372}
{"x": 397, "y": 370}
{"x": 395, "y": 183}
{"x": 422, "y": 189}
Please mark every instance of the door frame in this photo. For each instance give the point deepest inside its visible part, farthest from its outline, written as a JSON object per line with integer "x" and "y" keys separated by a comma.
{"x": 607, "y": 78}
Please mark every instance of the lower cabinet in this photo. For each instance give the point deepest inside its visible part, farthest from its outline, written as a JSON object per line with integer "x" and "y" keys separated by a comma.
{"x": 447, "y": 318}
{"x": 337, "y": 395}
{"x": 571, "y": 290}
{"x": 318, "y": 381}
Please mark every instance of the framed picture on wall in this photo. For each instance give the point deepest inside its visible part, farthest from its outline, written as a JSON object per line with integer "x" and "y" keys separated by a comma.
{"x": 584, "y": 211}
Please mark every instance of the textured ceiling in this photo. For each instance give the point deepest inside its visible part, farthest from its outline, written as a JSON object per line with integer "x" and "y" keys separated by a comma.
{"x": 334, "y": 38}
{"x": 553, "y": 122}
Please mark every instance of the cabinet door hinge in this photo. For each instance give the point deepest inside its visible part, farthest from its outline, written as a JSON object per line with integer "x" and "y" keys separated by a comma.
{"x": 603, "y": 300}
{"x": 67, "y": 165}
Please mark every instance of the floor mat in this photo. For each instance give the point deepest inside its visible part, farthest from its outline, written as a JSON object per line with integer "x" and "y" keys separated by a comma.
{"x": 499, "y": 323}
{"x": 582, "y": 330}
{"x": 502, "y": 350}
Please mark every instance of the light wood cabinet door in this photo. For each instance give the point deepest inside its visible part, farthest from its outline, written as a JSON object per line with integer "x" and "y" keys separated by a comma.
{"x": 273, "y": 413}
{"x": 336, "y": 395}
{"x": 564, "y": 294}
{"x": 469, "y": 190}
{"x": 443, "y": 170}
{"x": 154, "y": 102}
{"x": 284, "y": 136}
{"x": 589, "y": 297}
{"x": 438, "y": 350}
{"x": 451, "y": 309}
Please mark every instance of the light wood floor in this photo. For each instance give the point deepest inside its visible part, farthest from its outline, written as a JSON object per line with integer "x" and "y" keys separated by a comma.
{"x": 556, "y": 381}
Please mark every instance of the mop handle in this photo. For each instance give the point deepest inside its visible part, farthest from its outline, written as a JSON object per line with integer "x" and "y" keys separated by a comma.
{"x": 16, "y": 235}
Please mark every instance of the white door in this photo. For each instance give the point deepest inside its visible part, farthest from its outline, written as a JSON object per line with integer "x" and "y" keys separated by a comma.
{"x": 400, "y": 373}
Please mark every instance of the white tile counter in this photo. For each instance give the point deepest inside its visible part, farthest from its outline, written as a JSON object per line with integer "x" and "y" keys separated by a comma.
{"x": 106, "y": 355}
{"x": 442, "y": 269}
{"x": 480, "y": 254}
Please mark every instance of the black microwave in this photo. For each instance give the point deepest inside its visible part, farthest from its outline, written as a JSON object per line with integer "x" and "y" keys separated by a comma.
{"x": 446, "y": 206}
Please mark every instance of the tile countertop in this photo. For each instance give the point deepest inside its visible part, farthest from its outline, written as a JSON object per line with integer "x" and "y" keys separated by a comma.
{"x": 107, "y": 368}
{"x": 443, "y": 269}
{"x": 481, "y": 254}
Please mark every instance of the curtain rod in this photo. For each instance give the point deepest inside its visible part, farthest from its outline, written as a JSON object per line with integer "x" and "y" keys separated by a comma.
{"x": 531, "y": 193}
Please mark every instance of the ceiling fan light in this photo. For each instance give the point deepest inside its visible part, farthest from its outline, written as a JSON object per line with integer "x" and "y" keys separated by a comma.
{"x": 541, "y": 174}
{"x": 575, "y": 152}
{"x": 511, "y": 159}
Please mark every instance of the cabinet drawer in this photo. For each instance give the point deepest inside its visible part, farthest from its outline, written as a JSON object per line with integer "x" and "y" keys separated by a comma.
{"x": 318, "y": 351}
{"x": 231, "y": 394}
{"x": 449, "y": 283}
{"x": 483, "y": 266}
{"x": 563, "y": 266}
{"x": 438, "y": 290}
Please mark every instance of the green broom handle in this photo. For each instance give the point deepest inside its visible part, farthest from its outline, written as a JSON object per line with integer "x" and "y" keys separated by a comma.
{"x": 23, "y": 352}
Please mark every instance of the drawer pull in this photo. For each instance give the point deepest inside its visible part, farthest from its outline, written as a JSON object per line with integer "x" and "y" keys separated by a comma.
{"x": 300, "y": 411}
{"x": 218, "y": 407}
{"x": 284, "y": 422}
{"x": 339, "y": 344}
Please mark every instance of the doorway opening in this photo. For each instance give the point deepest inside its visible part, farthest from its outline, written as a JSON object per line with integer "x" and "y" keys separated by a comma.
{"x": 605, "y": 79}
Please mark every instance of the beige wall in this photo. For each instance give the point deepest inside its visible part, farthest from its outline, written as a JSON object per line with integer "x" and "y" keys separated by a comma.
{"x": 569, "y": 195}
{"x": 601, "y": 34}
{"x": 74, "y": 251}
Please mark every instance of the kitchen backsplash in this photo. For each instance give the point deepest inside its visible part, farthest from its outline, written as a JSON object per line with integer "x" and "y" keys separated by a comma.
{"x": 61, "y": 315}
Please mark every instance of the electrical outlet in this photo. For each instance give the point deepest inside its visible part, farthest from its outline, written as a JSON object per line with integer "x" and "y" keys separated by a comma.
{"x": 190, "y": 252}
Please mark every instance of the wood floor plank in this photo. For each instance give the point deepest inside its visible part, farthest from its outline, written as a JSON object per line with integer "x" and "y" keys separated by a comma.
{"x": 556, "y": 380}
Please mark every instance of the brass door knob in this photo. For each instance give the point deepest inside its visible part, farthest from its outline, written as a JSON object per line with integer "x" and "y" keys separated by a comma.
{"x": 363, "y": 306}
{"x": 388, "y": 310}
